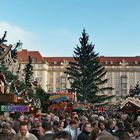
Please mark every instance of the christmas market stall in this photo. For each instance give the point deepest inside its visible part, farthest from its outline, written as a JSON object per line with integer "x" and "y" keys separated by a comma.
{"x": 14, "y": 93}
{"x": 130, "y": 104}
{"x": 61, "y": 101}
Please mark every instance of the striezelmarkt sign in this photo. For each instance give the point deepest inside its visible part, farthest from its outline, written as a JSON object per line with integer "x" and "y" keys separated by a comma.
{"x": 14, "y": 108}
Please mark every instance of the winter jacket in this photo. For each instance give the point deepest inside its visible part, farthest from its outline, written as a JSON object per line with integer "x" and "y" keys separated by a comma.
{"x": 84, "y": 135}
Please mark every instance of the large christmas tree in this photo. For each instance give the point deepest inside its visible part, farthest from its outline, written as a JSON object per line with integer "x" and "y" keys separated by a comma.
{"x": 86, "y": 74}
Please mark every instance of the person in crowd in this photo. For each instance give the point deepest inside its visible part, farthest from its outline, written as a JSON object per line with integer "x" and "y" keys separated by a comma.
{"x": 94, "y": 133}
{"x": 120, "y": 131}
{"x": 35, "y": 129}
{"x": 136, "y": 133}
{"x": 24, "y": 134}
{"x": 101, "y": 118}
{"x": 47, "y": 130}
{"x": 135, "y": 124}
{"x": 138, "y": 119}
{"x": 84, "y": 119}
{"x": 56, "y": 126}
{"x": 102, "y": 125}
{"x": 55, "y": 118}
{"x": 106, "y": 137}
{"x": 62, "y": 135}
{"x": 94, "y": 124}
{"x": 67, "y": 121}
{"x": 19, "y": 118}
{"x": 111, "y": 125}
{"x": 7, "y": 128}
{"x": 6, "y": 133}
{"x": 30, "y": 120}
{"x": 6, "y": 136}
{"x": 48, "y": 117}
{"x": 84, "y": 135}
{"x": 129, "y": 129}
{"x": 61, "y": 125}
{"x": 72, "y": 129}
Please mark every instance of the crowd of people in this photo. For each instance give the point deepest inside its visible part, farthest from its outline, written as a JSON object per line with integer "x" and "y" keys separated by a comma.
{"x": 71, "y": 126}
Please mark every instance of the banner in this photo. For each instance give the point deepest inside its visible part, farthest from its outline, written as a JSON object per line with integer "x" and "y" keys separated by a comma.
{"x": 14, "y": 108}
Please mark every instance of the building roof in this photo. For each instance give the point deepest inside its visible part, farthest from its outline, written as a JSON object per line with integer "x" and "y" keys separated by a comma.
{"x": 23, "y": 56}
{"x": 120, "y": 60}
{"x": 103, "y": 60}
{"x": 133, "y": 100}
{"x": 58, "y": 60}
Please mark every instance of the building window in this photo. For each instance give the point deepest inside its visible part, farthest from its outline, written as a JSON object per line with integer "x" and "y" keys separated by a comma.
{"x": 55, "y": 62}
{"x": 51, "y": 74}
{"x": 123, "y": 79}
{"x": 110, "y": 81}
{"x": 63, "y": 80}
{"x": 109, "y": 74}
{"x": 34, "y": 59}
{"x": 51, "y": 80}
{"x": 57, "y": 74}
{"x": 131, "y": 74}
{"x": 63, "y": 87}
{"x": 123, "y": 85}
{"x": 39, "y": 66}
{"x": 106, "y": 62}
{"x": 50, "y": 89}
{"x": 138, "y": 75}
{"x": 65, "y": 62}
{"x": 124, "y": 92}
{"x": 117, "y": 93}
{"x": 58, "y": 80}
{"x": 57, "y": 89}
{"x": 109, "y": 91}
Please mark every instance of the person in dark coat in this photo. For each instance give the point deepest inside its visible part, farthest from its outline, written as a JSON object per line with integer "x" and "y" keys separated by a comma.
{"x": 16, "y": 123}
{"x": 48, "y": 134}
{"x": 62, "y": 135}
{"x": 120, "y": 132}
{"x": 85, "y": 134}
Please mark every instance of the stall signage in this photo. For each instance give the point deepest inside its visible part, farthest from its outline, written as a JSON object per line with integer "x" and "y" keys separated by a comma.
{"x": 14, "y": 108}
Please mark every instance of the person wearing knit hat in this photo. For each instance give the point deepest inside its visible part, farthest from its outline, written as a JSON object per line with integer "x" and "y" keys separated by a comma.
{"x": 138, "y": 119}
{"x": 101, "y": 118}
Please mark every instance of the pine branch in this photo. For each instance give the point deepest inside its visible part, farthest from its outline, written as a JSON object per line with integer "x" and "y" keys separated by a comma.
{"x": 2, "y": 40}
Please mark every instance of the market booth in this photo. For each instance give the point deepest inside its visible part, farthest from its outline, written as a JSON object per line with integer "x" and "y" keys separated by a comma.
{"x": 11, "y": 103}
{"x": 130, "y": 104}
